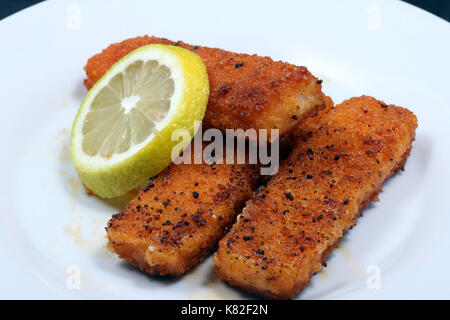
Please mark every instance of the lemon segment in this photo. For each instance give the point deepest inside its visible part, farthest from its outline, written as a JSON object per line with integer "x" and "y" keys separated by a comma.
{"x": 122, "y": 134}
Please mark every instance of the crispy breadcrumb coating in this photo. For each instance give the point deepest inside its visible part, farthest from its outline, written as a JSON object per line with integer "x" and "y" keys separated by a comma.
{"x": 180, "y": 216}
{"x": 288, "y": 228}
{"x": 246, "y": 91}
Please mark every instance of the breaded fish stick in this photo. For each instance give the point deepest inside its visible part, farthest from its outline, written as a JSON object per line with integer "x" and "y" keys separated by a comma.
{"x": 180, "y": 216}
{"x": 288, "y": 228}
{"x": 246, "y": 91}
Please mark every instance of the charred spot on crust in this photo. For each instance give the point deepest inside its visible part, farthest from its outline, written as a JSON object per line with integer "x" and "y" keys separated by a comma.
{"x": 289, "y": 196}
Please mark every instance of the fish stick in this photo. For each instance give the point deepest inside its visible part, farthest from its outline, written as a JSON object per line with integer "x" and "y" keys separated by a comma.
{"x": 246, "y": 91}
{"x": 180, "y": 216}
{"x": 287, "y": 229}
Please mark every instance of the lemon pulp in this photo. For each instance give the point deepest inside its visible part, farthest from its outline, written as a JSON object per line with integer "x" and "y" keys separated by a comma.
{"x": 125, "y": 111}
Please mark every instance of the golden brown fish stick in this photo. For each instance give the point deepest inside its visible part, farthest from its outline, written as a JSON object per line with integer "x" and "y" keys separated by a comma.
{"x": 180, "y": 216}
{"x": 246, "y": 91}
{"x": 288, "y": 228}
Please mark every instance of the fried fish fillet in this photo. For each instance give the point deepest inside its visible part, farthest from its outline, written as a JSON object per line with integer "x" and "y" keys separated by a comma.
{"x": 288, "y": 228}
{"x": 180, "y": 216}
{"x": 246, "y": 91}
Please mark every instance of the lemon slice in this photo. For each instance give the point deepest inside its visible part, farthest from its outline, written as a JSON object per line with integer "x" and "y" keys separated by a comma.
{"x": 122, "y": 133}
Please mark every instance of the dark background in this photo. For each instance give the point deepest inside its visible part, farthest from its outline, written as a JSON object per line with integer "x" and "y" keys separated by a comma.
{"x": 440, "y": 8}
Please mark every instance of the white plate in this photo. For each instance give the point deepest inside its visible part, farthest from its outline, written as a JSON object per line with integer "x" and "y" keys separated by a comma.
{"x": 50, "y": 229}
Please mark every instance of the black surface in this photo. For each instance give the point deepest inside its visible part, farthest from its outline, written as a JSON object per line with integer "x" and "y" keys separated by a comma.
{"x": 8, "y": 7}
{"x": 440, "y": 8}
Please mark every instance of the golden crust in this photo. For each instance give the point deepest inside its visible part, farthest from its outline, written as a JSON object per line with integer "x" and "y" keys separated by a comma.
{"x": 246, "y": 91}
{"x": 180, "y": 216}
{"x": 289, "y": 227}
